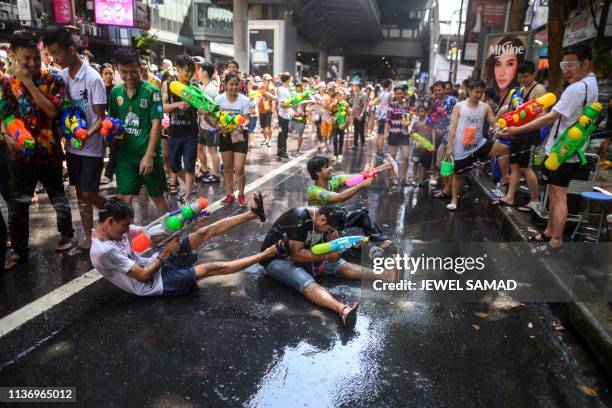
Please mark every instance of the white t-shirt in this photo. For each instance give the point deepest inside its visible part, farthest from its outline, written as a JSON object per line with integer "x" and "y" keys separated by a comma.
{"x": 212, "y": 91}
{"x": 384, "y": 104}
{"x": 241, "y": 105}
{"x": 570, "y": 106}
{"x": 86, "y": 90}
{"x": 114, "y": 259}
{"x": 468, "y": 135}
{"x": 283, "y": 93}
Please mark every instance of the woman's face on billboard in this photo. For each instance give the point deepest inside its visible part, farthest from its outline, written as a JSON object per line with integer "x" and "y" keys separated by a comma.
{"x": 505, "y": 70}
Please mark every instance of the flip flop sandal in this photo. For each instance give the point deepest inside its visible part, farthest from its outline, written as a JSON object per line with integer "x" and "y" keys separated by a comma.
{"x": 547, "y": 249}
{"x": 13, "y": 260}
{"x": 543, "y": 238}
{"x": 349, "y": 315}
{"x": 259, "y": 206}
{"x": 282, "y": 246}
{"x": 442, "y": 195}
{"x": 173, "y": 189}
{"x": 65, "y": 246}
{"x": 524, "y": 208}
{"x": 78, "y": 250}
{"x": 500, "y": 203}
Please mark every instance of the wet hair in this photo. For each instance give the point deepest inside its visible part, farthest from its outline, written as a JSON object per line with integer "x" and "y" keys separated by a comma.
{"x": 232, "y": 61}
{"x": 438, "y": 83}
{"x": 402, "y": 87}
{"x": 582, "y": 51}
{"x": 386, "y": 82}
{"x": 106, "y": 65}
{"x": 126, "y": 56}
{"x": 335, "y": 216}
{"x": 476, "y": 83}
{"x": 116, "y": 208}
{"x": 526, "y": 67}
{"x": 229, "y": 76}
{"x": 23, "y": 39}
{"x": 285, "y": 76}
{"x": 186, "y": 62}
{"x": 60, "y": 36}
{"x": 316, "y": 164}
{"x": 208, "y": 67}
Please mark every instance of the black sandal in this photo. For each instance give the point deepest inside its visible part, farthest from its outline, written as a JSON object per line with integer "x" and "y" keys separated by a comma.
{"x": 282, "y": 246}
{"x": 349, "y": 315}
{"x": 543, "y": 238}
{"x": 501, "y": 203}
{"x": 547, "y": 249}
{"x": 441, "y": 195}
{"x": 173, "y": 189}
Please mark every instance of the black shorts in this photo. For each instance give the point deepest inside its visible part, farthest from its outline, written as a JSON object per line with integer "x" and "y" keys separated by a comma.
{"x": 226, "y": 145}
{"x": 265, "y": 119}
{"x": 565, "y": 173}
{"x": 381, "y": 126}
{"x": 182, "y": 153}
{"x": 480, "y": 154}
{"x": 398, "y": 139}
{"x": 84, "y": 172}
{"x": 178, "y": 273}
{"x": 208, "y": 137}
{"x": 423, "y": 157}
{"x": 522, "y": 149}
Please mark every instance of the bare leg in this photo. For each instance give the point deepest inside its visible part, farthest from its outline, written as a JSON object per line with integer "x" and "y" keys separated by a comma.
{"x": 558, "y": 214}
{"x": 457, "y": 181}
{"x": 318, "y": 295}
{"x": 189, "y": 181}
{"x": 356, "y": 272}
{"x": 197, "y": 238}
{"x": 392, "y": 151}
{"x": 86, "y": 202}
{"x": 202, "y": 158}
{"x": 160, "y": 204}
{"x": 164, "y": 144}
{"x": 405, "y": 153}
{"x": 239, "y": 163}
{"x": 532, "y": 183}
{"x": 216, "y": 160}
{"x": 515, "y": 180}
{"x": 228, "y": 172}
{"x": 225, "y": 268}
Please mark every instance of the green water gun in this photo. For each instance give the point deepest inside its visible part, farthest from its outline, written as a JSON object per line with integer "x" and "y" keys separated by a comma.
{"x": 194, "y": 96}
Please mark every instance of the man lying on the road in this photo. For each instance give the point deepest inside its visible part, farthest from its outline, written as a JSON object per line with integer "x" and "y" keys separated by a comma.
{"x": 305, "y": 227}
{"x": 172, "y": 272}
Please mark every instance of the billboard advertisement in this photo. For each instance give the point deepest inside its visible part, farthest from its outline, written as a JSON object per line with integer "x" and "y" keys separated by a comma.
{"x": 62, "y": 11}
{"x": 115, "y": 12}
{"x": 489, "y": 16}
{"x": 261, "y": 55}
{"x": 502, "y": 54}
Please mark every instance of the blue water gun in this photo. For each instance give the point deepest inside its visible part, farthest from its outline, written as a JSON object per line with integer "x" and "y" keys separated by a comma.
{"x": 516, "y": 98}
{"x": 339, "y": 244}
{"x": 72, "y": 125}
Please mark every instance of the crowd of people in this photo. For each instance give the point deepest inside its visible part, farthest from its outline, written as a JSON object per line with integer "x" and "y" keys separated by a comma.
{"x": 170, "y": 144}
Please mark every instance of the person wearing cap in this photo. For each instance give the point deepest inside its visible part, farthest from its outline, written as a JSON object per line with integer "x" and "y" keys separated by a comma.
{"x": 265, "y": 106}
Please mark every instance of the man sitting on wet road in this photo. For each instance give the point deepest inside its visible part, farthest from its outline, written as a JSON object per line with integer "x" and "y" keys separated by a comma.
{"x": 173, "y": 271}
{"x": 305, "y": 227}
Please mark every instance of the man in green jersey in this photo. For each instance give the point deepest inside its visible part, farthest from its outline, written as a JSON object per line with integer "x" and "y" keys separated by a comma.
{"x": 138, "y": 105}
{"x": 329, "y": 190}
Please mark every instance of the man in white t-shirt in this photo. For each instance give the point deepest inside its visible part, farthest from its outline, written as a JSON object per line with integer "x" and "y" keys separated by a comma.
{"x": 284, "y": 115}
{"x": 85, "y": 89}
{"x": 582, "y": 91}
{"x": 173, "y": 271}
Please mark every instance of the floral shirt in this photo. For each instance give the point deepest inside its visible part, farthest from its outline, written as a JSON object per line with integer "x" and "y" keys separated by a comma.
{"x": 16, "y": 100}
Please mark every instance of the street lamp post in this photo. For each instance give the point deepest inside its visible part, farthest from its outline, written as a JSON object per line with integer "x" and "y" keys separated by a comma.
{"x": 454, "y": 80}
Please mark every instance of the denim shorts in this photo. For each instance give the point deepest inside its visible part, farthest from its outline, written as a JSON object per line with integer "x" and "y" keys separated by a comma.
{"x": 296, "y": 277}
{"x": 178, "y": 274}
{"x": 182, "y": 151}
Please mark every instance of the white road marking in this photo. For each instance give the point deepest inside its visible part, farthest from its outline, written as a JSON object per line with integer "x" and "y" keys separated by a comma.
{"x": 55, "y": 297}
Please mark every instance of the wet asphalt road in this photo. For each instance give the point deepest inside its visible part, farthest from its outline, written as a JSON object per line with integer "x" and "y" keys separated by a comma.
{"x": 245, "y": 340}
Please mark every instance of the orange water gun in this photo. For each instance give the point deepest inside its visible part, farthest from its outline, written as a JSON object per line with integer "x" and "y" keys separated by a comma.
{"x": 22, "y": 136}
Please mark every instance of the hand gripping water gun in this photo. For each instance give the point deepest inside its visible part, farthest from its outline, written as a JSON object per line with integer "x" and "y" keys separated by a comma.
{"x": 73, "y": 125}
{"x": 527, "y": 112}
{"x": 22, "y": 136}
{"x": 112, "y": 129}
{"x": 342, "y": 112}
{"x": 516, "y": 98}
{"x": 194, "y": 96}
{"x": 254, "y": 95}
{"x": 229, "y": 121}
{"x": 372, "y": 173}
{"x": 339, "y": 244}
{"x": 575, "y": 139}
{"x": 296, "y": 99}
{"x": 421, "y": 142}
{"x": 169, "y": 225}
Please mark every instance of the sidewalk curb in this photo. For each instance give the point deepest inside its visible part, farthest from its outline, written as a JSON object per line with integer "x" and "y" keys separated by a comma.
{"x": 592, "y": 321}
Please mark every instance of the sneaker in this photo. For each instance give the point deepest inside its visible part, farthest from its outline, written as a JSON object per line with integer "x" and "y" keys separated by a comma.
{"x": 451, "y": 207}
{"x": 340, "y": 157}
{"x": 229, "y": 199}
{"x": 433, "y": 182}
{"x": 257, "y": 206}
{"x": 242, "y": 201}
{"x": 104, "y": 181}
